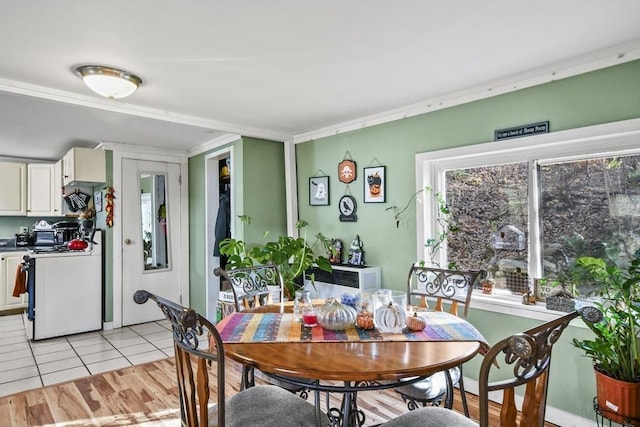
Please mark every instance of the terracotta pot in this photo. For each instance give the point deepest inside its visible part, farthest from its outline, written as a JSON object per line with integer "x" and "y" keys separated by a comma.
{"x": 618, "y": 400}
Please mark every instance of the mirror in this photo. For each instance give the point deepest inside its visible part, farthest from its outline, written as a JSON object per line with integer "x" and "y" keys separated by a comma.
{"x": 153, "y": 209}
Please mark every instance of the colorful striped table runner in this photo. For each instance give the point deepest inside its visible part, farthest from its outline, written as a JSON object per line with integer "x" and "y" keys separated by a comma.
{"x": 277, "y": 327}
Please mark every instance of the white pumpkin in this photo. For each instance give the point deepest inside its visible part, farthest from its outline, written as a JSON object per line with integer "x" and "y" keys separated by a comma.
{"x": 390, "y": 318}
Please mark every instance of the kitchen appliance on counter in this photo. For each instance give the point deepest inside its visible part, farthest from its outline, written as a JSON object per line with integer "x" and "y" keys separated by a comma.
{"x": 64, "y": 289}
{"x": 43, "y": 234}
{"x": 23, "y": 239}
{"x": 66, "y": 231}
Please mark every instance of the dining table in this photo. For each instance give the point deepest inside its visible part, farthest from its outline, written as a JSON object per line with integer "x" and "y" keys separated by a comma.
{"x": 269, "y": 338}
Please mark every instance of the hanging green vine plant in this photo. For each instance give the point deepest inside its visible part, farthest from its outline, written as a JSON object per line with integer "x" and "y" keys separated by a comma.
{"x": 443, "y": 220}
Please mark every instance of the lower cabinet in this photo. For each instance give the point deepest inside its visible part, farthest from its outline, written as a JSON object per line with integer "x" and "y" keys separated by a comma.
{"x": 9, "y": 262}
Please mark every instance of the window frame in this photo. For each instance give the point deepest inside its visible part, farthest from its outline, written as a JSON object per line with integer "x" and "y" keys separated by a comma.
{"x": 617, "y": 138}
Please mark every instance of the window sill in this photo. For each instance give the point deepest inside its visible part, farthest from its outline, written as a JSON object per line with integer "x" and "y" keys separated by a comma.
{"x": 512, "y": 306}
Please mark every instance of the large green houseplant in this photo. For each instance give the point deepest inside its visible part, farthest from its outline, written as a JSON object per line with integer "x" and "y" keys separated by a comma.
{"x": 292, "y": 255}
{"x": 615, "y": 350}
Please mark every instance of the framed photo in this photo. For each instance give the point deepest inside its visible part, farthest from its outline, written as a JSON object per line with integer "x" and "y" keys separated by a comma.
{"x": 97, "y": 200}
{"x": 375, "y": 184}
{"x": 319, "y": 191}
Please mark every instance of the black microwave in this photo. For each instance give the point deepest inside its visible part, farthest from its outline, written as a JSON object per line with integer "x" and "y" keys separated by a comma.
{"x": 44, "y": 237}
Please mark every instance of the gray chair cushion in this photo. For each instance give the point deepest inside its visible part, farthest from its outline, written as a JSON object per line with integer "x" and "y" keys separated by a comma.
{"x": 269, "y": 406}
{"x": 431, "y": 417}
{"x": 431, "y": 387}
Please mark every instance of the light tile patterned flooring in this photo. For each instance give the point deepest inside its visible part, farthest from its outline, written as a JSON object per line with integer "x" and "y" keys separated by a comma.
{"x": 26, "y": 364}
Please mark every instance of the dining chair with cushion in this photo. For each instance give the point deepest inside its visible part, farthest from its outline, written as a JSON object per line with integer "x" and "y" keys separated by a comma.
{"x": 441, "y": 290}
{"x": 250, "y": 287}
{"x": 201, "y": 391}
{"x": 528, "y": 359}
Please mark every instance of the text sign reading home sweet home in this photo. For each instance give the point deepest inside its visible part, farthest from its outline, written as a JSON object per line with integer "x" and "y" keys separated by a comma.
{"x": 520, "y": 131}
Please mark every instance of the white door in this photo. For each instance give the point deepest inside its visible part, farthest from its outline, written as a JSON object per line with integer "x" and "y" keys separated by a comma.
{"x": 151, "y": 252}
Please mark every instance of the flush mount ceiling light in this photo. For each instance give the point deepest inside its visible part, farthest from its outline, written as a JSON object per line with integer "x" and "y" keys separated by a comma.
{"x": 109, "y": 82}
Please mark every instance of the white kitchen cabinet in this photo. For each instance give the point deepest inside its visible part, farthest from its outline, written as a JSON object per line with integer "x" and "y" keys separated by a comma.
{"x": 83, "y": 167}
{"x": 13, "y": 197}
{"x": 41, "y": 191}
{"x": 9, "y": 262}
{"x": 57, "y": 188}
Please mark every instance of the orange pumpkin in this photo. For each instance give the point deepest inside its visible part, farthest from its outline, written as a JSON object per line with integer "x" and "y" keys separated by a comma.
{"x": 365, "y": 320}
{"x": 415, "y": 322}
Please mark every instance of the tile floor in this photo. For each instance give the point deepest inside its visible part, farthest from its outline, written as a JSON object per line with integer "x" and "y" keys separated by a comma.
{"x": 26, "y": 364}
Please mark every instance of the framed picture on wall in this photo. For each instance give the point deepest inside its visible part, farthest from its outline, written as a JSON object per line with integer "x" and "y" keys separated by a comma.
{"x": 375, "y": 181}
{"x": 319, "y": 190}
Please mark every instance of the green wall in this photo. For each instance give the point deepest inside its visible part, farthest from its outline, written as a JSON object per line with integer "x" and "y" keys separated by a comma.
{"x": 258, "y": 191}
{"x": 603, "y": 96}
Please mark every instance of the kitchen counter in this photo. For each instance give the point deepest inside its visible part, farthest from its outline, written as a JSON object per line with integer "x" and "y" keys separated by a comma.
{"x": 9, "y": 245}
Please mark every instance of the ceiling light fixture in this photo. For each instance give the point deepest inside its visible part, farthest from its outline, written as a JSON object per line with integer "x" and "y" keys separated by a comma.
{"x": 109, "y": 82}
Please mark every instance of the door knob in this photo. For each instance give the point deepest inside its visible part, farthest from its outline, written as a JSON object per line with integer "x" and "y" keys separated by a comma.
{"x": 128, "y": 241}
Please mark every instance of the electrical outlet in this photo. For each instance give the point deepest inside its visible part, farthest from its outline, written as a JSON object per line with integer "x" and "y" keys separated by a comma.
{"x": 24, "y": 230}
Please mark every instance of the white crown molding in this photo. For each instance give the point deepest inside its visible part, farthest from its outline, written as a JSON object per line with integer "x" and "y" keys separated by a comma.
{"x": 214, "y": 143}
{"x": 21, "y": 88}
{"x": 568, "y": 68}
{"x": 142, "y": 149}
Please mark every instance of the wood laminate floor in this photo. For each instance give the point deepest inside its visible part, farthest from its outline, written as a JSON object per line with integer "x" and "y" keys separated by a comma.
{"x": 146, "y": 395}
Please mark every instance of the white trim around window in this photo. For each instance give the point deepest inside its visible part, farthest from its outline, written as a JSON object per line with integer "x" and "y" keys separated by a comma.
{"x": 594, "y": 141}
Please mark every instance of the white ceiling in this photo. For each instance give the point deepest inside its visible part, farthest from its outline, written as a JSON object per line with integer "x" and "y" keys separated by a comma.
{"x": 274, "y": 69}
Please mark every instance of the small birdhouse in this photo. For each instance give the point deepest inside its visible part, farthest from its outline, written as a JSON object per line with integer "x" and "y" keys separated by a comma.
{"x": 508, "y": 237}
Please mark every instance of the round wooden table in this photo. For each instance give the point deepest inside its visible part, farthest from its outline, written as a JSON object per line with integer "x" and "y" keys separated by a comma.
{"x": 359, "y": 365}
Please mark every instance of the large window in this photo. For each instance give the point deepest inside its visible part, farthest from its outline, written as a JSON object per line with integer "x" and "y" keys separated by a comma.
{"x": 526, "y": 209}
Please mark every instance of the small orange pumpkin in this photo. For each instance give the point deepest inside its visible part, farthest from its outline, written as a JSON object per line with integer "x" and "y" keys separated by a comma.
{"x": 365, "y": 320}
{"x": 415, "y": 322}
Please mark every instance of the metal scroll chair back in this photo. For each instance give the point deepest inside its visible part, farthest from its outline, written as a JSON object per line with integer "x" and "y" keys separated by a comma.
{"x": 430, "y": 287}
{"x": 441, "y": 290}
{"x": 527, "y": 357}
{"x": 192, "y": 334}
{"x": 250, "y": 285}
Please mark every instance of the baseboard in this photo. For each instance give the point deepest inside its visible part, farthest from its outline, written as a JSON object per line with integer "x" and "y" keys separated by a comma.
{"x": 107, "y": 326}
{"x": 552, "y": 415}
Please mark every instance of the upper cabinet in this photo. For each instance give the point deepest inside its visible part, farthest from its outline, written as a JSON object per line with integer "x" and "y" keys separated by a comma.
{"x": 83, "y": 167}
{"x": 43, "y": 190}
{"x": 13, "y": 197}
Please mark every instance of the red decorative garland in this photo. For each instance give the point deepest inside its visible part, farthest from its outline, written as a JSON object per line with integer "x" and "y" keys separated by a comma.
{"x": 109, "y": 196}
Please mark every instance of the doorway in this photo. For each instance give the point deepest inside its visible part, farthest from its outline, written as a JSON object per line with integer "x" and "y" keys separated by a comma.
{"x": 220, "y": 213}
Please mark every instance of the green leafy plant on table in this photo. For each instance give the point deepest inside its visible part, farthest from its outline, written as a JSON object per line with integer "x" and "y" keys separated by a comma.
{"x": 292, "y": 255}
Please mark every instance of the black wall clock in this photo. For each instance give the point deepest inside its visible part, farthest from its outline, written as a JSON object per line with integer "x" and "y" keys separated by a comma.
{"x": 347, "y": 207}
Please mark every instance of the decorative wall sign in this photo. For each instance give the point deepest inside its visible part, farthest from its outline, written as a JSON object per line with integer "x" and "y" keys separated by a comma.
{"x": 319, "y": 191}
{"x": 347, "y": 171}
{"x": 375, "y": 183}
{"x": 347, "y": 208}
{"x": 520, "y": 131}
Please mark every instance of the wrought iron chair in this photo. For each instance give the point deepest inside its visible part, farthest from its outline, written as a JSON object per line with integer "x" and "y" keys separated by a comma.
{"x": 529, "y": 355}
{"x": 264, "y": 405}
{"x": 250, "y": 286}
{"x": 441, "y": 290}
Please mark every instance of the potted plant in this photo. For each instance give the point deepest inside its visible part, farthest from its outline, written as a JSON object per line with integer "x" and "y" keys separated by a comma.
{"x": 293, "y": 256}
{"x": 615, "y": 350}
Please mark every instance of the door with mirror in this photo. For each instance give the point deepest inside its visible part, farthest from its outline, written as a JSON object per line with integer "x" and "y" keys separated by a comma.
{"x": 151, "y": 250}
